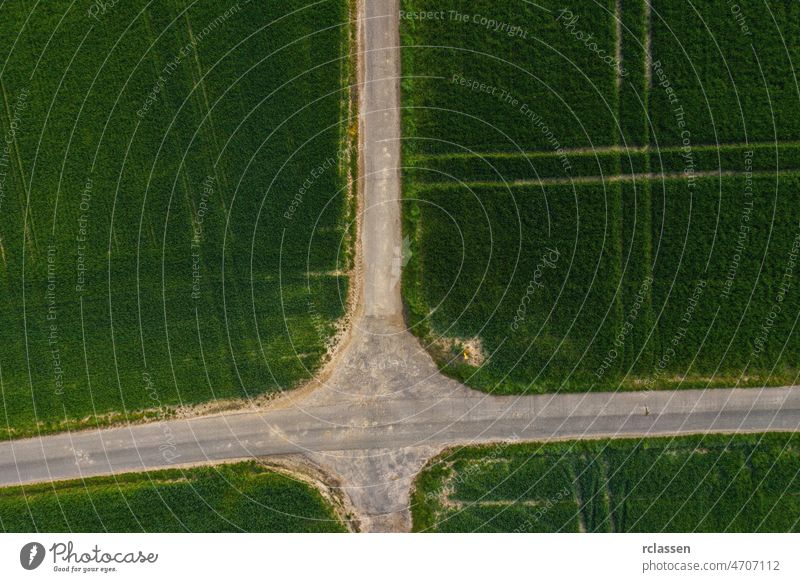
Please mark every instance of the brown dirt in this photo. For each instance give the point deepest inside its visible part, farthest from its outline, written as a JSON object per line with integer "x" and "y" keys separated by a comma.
{"x": 470, "y": 350}
{"x": 300, "y": 468}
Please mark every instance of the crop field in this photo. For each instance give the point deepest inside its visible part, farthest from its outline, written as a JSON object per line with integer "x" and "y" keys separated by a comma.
{"x": 645, "y": 236}
{"x": 470, "y": 89}
{"x": 731, "y": 73}
{"x": 476, "y": 283}
{"x": 175, "y": 203}
{"x": 227, "y": 498}
{"x": 716, "y": 483}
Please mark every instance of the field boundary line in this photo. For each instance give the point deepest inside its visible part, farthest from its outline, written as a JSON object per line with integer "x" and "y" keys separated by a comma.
{"x": 613, "y": 149}
{"x": 644, "y": 177}
{"x": 578, "y": 492}
{"x": 606, "y": 491}
{"x": 648, "y": 57}
{"x": 618, "y": 48}
{"x": 210, "y": 127}
{"x": 30, "y": 231}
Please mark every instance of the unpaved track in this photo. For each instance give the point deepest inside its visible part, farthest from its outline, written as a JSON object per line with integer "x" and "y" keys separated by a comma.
{"x": 384, "y": 410}
{"x": 381, "y": 235}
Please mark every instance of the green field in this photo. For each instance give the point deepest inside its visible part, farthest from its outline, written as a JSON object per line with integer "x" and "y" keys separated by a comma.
{"x": 734, "y": 85}
{"x": 644, "y": 236}
{"x": 228, "y": 498}
{"x": 175, "y": 206}
{"x": 687, "y": 484}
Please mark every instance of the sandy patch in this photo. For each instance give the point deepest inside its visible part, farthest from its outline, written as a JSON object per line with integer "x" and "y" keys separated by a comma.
{"x": 465, "y": 350}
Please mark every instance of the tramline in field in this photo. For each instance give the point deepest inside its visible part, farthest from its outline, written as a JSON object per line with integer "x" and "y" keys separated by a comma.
{"x": 650, "y": 175}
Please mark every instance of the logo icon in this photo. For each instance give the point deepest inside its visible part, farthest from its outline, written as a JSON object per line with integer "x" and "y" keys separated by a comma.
{"x": 31, "y": 555}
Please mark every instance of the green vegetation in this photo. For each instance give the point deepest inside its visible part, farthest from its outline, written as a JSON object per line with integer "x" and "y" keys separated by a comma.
{"x": 226, "y": 498}
{"x": 497, "y": 252}
{"x": 601, "y": 164}
{"x": 638, "y": 285}
{"x": 734, "y": 85}
{"x": 175, "y": 209}
{"x": 677, "y": 233}
{"x": 535, "y": 76}
{"x": 689, "y": 484}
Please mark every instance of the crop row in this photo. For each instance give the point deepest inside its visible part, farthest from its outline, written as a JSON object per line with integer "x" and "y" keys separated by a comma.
{"x": 176, "y": 210}
{"x": 602, "y": 164}
{"x": 229, "y": 498}
{"x": 466, "y": 85}
{"x": 597, "y": 286}
{"x": 584, "y": 75}
{"x": 687, "y": 484}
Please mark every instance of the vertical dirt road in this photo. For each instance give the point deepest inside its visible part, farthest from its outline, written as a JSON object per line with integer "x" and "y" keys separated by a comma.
{"x": 381, "y": 236}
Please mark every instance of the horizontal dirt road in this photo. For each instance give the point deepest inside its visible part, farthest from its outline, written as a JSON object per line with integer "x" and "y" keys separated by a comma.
{"x": 394, "y": 423}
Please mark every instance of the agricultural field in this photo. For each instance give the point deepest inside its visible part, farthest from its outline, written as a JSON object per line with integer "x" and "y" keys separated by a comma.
{"x": 603, "y": 195}
{"x": 720, "y": 483}
{"x": 228, "y": 498}
{"x": 732, "y": 72}
{"x": 175, "y": 204}
{"x": 468, "y": 89}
